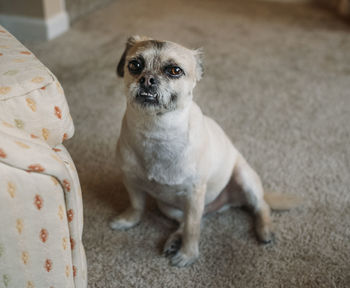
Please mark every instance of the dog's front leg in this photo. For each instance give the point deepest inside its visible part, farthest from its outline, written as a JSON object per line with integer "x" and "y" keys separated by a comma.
{"x": 194, "y": 208}
{"x": 131, "y": 216}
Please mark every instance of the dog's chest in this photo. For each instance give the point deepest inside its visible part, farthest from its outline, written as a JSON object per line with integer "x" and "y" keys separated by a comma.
{"x": 159, "y": 163}
{"x": 166, "y": 161}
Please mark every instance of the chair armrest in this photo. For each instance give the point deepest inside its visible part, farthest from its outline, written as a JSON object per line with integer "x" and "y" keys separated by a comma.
{"x": 31, "y": 98}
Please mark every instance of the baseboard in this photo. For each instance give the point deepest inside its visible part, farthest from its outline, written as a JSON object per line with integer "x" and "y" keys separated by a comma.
{"x": 35, "y": 29}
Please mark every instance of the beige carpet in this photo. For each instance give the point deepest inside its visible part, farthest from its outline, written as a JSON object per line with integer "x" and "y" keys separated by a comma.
{"x": 278, "y": 81}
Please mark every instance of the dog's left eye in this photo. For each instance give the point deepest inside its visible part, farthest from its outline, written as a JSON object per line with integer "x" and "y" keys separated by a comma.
{"x": 173, "y": 71}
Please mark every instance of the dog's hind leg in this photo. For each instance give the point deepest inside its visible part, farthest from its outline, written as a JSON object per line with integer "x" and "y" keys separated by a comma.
{"x": 251, "y": 194}
{"x": 170, "y": 211}
{"x": 173, "y": 243}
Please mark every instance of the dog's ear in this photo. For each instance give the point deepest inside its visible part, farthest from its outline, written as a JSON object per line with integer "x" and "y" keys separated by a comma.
{"x": 129, "y": 43}
{"x": 198, "y": 55}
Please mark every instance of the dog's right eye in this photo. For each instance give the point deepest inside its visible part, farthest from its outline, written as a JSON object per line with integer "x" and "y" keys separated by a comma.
{"x": 135, "y": 66}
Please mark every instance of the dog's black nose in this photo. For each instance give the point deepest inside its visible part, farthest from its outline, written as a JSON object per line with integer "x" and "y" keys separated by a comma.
{"x": 148, "y": 80}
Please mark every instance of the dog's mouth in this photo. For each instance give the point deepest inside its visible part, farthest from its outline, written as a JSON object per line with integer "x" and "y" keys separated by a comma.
{"x": 147, "y": 98}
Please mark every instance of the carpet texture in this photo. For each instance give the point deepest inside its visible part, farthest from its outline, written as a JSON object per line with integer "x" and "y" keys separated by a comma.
{"x": 277, "y": 79}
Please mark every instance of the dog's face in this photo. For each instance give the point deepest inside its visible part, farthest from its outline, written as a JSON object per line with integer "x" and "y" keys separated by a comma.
{"x": 159, "y": 75}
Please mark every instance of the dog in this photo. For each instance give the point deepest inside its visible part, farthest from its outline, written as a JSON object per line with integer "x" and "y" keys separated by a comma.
{"x": 168, "y": 149}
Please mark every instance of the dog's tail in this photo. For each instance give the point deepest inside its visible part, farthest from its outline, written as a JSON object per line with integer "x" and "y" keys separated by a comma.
{"x": 281, "y": 202}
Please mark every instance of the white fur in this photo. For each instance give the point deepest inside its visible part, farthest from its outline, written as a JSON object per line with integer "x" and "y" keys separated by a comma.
{"x": 168, "y": 155}
{"x": 176, "y": 154}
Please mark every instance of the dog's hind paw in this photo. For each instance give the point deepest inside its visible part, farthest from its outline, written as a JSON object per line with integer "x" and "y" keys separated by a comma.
{"x": 173, "y": 244}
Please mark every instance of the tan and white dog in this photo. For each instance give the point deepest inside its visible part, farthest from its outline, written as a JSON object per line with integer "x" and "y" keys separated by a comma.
{"x": 170, "y": 150}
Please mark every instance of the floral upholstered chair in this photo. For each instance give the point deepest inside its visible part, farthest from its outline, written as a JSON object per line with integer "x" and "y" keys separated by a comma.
{"x": 41, "y": 216}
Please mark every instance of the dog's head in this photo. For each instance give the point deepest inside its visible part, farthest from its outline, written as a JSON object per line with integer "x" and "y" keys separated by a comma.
{"x": 159, "y": 75}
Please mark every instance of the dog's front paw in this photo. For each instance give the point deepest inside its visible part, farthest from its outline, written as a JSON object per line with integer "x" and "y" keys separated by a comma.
{"x": 182, "y": 259}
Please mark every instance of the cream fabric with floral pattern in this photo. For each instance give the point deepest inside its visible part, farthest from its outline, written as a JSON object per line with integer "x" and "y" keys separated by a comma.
{"x": 31, "y": 97}
{"x": 41, "y": 214}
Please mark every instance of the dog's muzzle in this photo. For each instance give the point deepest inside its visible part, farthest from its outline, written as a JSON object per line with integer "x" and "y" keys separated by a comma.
{"x": 148, "y": 89}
